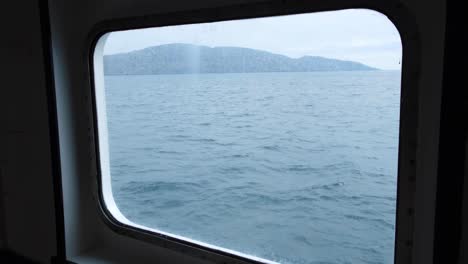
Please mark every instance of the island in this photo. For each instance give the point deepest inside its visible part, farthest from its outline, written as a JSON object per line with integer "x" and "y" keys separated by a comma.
{"x": 181, "y": 58}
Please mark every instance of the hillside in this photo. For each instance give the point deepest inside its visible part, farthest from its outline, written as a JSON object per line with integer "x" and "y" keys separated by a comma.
{"x": 187, "y": 58}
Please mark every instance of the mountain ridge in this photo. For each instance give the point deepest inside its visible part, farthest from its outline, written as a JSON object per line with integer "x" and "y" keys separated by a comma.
{"x": 181, "y": 58}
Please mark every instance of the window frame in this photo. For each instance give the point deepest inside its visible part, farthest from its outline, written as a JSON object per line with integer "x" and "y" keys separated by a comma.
{"x": 397, "y": 13}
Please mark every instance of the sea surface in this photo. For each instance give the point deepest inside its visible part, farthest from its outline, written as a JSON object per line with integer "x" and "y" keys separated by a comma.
{"x": 291, "y": 167}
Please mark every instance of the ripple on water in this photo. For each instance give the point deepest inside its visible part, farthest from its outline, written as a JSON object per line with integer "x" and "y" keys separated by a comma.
{"x": 271, "y": 147}
{"x": 231, "y": 152}
{"x": 134, "y": 187}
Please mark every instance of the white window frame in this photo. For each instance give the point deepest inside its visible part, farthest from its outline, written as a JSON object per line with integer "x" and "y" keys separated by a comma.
{"x": 107, "y": 203}
{"x": 102, "y": 234}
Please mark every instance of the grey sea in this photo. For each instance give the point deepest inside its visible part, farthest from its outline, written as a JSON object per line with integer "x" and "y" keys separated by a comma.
{"x": 290, "y": 167}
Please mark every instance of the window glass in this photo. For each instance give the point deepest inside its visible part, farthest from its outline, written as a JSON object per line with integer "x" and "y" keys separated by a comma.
{"x": 273, "y": 137}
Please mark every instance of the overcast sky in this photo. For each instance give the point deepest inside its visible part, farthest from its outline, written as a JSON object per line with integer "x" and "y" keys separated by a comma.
{"x": 359, "y": 35}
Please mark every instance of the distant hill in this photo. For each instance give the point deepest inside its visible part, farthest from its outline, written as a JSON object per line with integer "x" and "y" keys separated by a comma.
{"x": 187, "y": 58}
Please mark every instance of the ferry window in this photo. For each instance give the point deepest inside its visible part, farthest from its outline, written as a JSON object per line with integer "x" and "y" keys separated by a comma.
{"x": 274, "y": 138}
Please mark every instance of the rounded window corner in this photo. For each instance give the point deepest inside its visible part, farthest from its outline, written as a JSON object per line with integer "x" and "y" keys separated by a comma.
{"x": 115, "y": 219}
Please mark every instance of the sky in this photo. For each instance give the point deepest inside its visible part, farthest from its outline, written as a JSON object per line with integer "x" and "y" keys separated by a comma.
{"x": 359, "y": 35}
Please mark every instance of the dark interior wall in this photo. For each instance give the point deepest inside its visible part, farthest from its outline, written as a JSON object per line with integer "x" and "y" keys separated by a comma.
{"x": 26, "y": 203}
{"x": 452, "y": 143}
{"x": 463, "y": 258}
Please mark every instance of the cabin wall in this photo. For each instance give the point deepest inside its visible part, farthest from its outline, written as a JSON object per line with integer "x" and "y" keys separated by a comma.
{"x": 27, "y": 219}
{"x": 72, "y": 23}
{"x": 27, "y": 223}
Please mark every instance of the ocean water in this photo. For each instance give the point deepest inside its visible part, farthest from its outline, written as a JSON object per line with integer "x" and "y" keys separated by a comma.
{"x": 291, "y": 167}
